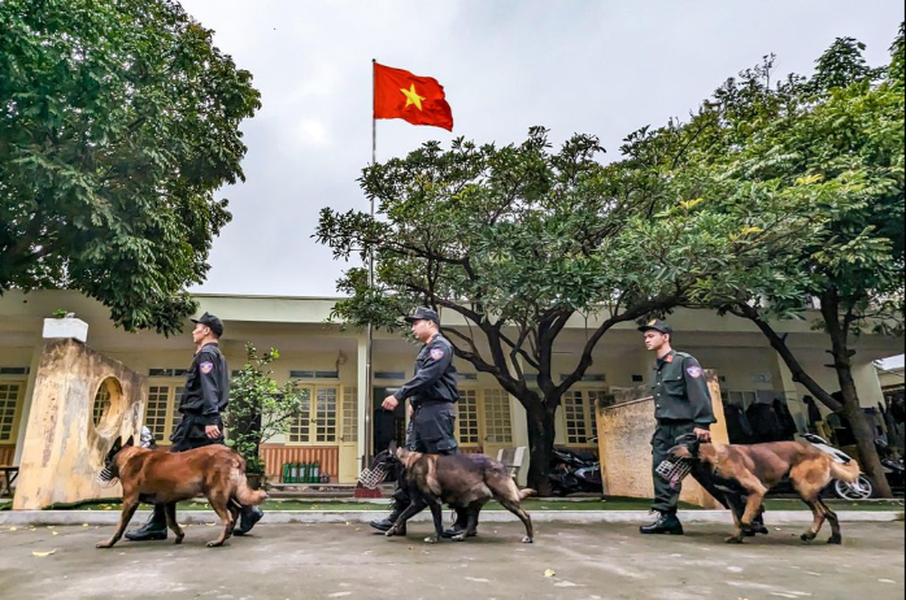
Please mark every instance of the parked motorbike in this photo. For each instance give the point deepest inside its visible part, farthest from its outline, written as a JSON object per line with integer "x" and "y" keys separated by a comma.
{"x": 863, "y": 489}
{"x": 573, "y": 472}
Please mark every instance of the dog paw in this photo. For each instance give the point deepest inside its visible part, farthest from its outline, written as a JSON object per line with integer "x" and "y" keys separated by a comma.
{"x": 103, "y": 545}
{"x": 214, "y": 544}
{"x": 807, "y": 537}
{"x": 734, "y": 539}
{"x": 527, "y": 540}
{"x": 433, "y": 539}
{"x": 459, "y": 537}
{"x": 179, "y": 539}
{"x": 836, "y": 540}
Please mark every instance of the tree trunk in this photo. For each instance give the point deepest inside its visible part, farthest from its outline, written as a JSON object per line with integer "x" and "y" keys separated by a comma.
{"x": 541, "y": 445}
{"x": 852, "y": 410}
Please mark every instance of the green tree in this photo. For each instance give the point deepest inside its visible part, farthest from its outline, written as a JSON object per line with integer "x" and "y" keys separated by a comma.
{"x": 517, "y": 241}
{"x": 830, "y": 147}
{"x": 260, "y": 408}
{"x": 118, "y": 121}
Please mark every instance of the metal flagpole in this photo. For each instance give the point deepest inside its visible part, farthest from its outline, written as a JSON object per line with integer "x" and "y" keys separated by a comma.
{"x": 369, "y": 336}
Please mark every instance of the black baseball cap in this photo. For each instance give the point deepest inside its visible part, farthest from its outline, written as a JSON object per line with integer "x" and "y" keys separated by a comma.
{"x": 656, "y": 325}
{"x": 209, "y": 320}
{"x": 423, "y": 314}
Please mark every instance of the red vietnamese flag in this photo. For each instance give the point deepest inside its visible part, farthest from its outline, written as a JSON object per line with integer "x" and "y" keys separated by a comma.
{"x": 399, "y": 94}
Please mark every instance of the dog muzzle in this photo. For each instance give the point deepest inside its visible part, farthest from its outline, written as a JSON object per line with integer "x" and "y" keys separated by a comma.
{"x": 674, "y": 471}
{"x": 106, "y": 478}
{"x": 372, "y": 478}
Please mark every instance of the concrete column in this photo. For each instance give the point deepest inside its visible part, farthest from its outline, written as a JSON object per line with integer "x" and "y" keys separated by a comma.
{"x": 520, "y": 432}
{"x": 782, "y": 378}
{"x": 37, "y": 353}
{"x": 868, "y": 385}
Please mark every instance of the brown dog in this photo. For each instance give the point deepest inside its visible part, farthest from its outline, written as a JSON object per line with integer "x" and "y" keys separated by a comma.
{"x": 760, "y": 467}
{"x": 159, "y": 477}
{"x": 469, "y": 481}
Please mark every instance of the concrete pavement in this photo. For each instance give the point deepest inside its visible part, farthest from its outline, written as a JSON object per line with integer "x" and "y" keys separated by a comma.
{"x": 568, "y": 562}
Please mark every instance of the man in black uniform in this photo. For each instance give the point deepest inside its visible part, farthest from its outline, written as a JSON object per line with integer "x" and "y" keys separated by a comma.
{"x": 204, "y": 398}
{"x": 432, "y": 395}
{"x": 682, "y": 406}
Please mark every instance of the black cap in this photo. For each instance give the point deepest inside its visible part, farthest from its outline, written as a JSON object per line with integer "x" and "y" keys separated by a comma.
{"x": 656, "y": 325}
{"x": 423, "y": 314}
{"x": 209, "y": 320}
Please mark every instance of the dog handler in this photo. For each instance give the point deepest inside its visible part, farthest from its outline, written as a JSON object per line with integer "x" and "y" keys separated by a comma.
{"x": 682, "y": 406}
{"x": 204, "y": 399}
{"x": 432, "y": 394}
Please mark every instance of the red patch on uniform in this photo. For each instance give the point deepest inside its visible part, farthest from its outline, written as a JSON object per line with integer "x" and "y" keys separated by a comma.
{"x": 668, "y": 358}
{"x": 437, "y": 353}
{"x": 206, "y": 367}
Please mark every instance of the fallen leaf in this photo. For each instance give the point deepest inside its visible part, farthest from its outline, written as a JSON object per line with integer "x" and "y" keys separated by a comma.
{"x": 84, "y": 524}
{"x": 55, "y": 532}
{"x": 210, "y": 524}
{"x": 14, "y": 529}
{"x": 43, "y": 554}
{"x": 550, "y": 573}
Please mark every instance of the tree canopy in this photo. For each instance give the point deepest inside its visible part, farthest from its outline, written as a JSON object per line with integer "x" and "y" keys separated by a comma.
{"x": 769, "y": 195}
{"x": 832, "y": 148}
{"x": 118, "y": 121}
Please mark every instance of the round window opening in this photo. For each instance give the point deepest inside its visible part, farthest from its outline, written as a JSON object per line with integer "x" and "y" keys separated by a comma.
{"x": 107, "y": 401}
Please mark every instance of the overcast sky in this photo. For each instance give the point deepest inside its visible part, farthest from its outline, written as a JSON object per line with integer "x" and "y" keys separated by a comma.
{"x": 599, "y": 67}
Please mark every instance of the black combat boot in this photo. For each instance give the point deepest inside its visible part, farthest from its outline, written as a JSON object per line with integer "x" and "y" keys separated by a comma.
{"x": 666, "y": 523}
{"x": 384, "y": 525}
{"x": 248, "y": 516}
{"x": 154, "y": 529}
{"x": 461, "y": 524}
{"x": 757, "y": 527}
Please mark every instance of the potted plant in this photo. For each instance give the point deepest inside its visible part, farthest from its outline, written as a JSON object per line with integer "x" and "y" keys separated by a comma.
{"x": 259, "y": 409}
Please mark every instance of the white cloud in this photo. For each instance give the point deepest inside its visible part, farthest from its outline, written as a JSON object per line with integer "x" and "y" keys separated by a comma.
{"x": 605, "y": 68}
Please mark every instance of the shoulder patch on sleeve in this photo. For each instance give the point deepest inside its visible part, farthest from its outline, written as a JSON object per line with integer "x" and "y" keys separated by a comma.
{"x": 437, "y": 353}
{"x": 694, "y": 371}
{"x": 206, "y": 367}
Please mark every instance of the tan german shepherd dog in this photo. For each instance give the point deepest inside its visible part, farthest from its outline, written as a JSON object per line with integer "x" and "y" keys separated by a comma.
{"x": 159, "y": 477}
{"x": 469, "y": 481}
{"x": 759, "y": 467}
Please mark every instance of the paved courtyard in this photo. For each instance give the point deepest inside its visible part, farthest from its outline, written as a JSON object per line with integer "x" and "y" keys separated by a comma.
{"x": 568, "y": 562}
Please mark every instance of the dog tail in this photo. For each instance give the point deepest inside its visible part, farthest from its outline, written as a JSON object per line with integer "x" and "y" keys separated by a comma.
{"x": 247, "y": 496}
{"x": 244, "y": 494}
{"x": 523, "y": 494}
{"x": 848, "y": 472}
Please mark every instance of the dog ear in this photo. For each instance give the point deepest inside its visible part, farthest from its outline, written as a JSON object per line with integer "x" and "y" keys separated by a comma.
{"x": 130, "y": 441}
{"x": 392, "y": 447}
{"x": 117, "y": 446}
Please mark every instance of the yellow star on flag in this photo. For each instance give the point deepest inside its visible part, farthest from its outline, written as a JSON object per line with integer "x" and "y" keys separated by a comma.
{"x": 412, "y": 97}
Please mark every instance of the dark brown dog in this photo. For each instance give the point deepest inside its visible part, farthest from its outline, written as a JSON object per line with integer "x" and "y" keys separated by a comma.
{"x": 460, "y": 480}
{"x": 760, "y": 467}
{"x": 159, "y": 477}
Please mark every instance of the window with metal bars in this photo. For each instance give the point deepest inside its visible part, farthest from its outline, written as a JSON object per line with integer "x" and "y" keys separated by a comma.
{"x": 162, "y": 414}
{"x": 579, "y": 413}
{"x": 498, "y": 423}
{"x": 317, "y": 421}
{"x": 101, "y": 404}
{"x": 10, "y": 393}
{"x": 350, "y": 430}
{"x": 467, "y": 418}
